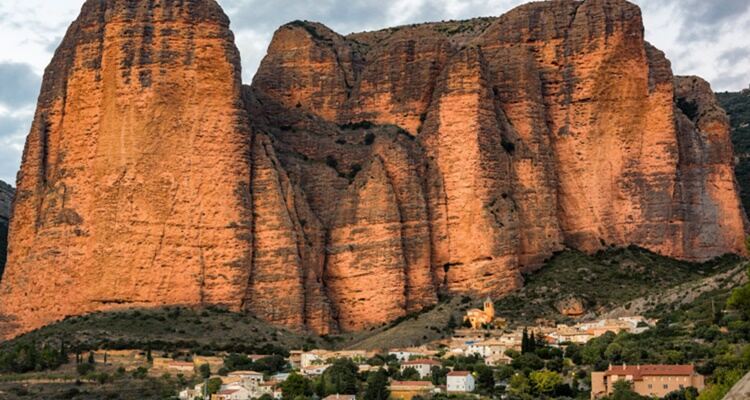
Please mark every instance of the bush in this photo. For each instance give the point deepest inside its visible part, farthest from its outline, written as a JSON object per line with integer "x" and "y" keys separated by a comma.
{"x": 84, "y": 369}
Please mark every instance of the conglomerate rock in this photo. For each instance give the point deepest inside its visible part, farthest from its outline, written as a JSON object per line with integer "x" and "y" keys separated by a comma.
{"x": 358, "y": 176}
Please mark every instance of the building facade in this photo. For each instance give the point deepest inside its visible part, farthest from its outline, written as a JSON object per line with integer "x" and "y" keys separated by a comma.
{"x": 460, "y": 382}
{"x": 646, "y": 380}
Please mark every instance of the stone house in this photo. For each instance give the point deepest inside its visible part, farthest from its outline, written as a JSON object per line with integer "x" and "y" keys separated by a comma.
{"x": 423, "y": 366}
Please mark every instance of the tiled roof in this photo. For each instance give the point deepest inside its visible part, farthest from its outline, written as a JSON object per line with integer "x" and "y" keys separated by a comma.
{"x": 639, "y": 371}
{"x": 459, "y": 373}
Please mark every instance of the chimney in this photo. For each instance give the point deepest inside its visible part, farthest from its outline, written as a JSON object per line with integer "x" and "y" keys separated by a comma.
{"x": 610, "y": 366}
{"x": 638, "y": 367}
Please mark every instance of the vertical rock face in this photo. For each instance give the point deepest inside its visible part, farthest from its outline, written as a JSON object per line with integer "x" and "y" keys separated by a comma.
{"x": 708, "y": 201}
{"x": 359, "y": 176}
{"x": 6, "y": 202}
{"x": 134, "y": 186}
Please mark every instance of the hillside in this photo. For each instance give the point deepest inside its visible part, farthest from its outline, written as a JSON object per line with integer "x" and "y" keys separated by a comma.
{"x": 603, "y": 281}
{"x": 606, "y": 281}
{"x": 737, "y": 106}
{"x": 197, "y": 330}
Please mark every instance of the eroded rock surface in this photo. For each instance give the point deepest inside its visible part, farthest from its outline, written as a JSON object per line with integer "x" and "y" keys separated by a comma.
{"x": 6, "y": 202}
{"x": 358, "y": 176}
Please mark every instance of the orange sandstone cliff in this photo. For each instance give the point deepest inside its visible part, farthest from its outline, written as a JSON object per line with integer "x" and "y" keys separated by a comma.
{"x": 358, "y": 176}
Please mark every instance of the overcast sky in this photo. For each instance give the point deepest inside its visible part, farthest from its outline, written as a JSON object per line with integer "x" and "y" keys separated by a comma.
{"x": 709, "y": 38}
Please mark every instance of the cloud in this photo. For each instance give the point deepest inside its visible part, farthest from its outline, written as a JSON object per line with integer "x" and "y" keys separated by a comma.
{"x": 735, "y": 55}
{"x": 19, "y": 84}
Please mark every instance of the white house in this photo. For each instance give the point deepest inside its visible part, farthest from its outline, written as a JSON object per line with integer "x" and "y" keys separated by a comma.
{"x": 423, "y": 366}
{"x": 460, "y": 382}
{"x": 249, "y": 379}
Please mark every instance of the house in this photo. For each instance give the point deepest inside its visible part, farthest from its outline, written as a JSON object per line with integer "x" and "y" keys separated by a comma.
{"x": 406, "y": 390}
{"x": 315, "y": 370}
{"x": 495, "y": 360}
{"x": 460, "y": 382}
{"x": 295, "y": 358}
{"x": 232, "y": 393}
{"x": 411, "y": 353}
{"x": 647, "y": 380}
{"x": 280, "y": 377}
{"x": 340, "y": 397}
{"x": 423, "y": 366}
{"x": 478, "y": 318}
{"x": 247, "y": 379}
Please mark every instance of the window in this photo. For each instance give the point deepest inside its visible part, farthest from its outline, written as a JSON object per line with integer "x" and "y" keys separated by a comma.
{"x": 650, "y": 386}
{"x": 666, "y": 386}
{"x": 682, "y": 386}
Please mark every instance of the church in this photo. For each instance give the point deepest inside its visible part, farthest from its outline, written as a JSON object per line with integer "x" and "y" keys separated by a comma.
{"x": 478, "y": 318}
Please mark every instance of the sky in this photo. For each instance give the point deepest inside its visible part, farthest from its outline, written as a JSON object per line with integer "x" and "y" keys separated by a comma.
{"x": 708, "y": 38}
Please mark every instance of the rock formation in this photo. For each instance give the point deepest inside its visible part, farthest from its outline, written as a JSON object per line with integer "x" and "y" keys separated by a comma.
{"x": 358, "y": 176}
{"x": 6, "y": 201}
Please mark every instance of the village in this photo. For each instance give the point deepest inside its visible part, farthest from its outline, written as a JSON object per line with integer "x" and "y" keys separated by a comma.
{"x": 428, "y": 371}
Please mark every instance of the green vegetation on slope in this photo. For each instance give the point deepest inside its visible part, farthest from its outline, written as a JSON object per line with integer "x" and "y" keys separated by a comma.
{"x": 737, "y": 105}
{"x": 202, "y": 331}
{"x": 603, "y": 281}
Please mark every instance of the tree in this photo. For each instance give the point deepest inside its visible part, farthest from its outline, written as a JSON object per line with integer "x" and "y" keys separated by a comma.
{"x": 451, "y": 323}
{"x": 149, "y": 358}
{"x": 688, "y": 393}
{"x": 238, "y": 362}
{"x": 271, "y": 364}
{"x": 740, "y": 300}
{"x": 84, "y": 369}
{"x": 623, "y": 390}
{"x": 525, "y": 341}
{"x": 213, "y": 386}
{"x": 340, "y": 377}
{"x": 408, "y": 374}
{"x": 295, "y": 386}
{"x": 485, "y": 378}
{"x": 519, "y": 385}
{"x": 527, "y": 362}
{"x": 91, "y": 358}
{"x": 204, "y": 370}
{"x": 377, "y": 386}
{"x": 438, "y": 375}
{"x": 545, "y": 381}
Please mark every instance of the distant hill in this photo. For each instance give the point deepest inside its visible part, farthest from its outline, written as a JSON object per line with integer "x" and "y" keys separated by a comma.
{"x": 737, "y": 105}
{"x": 6, "y": 199}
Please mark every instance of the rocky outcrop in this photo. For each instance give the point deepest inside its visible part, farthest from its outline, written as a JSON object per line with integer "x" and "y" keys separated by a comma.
{"x": 134, "y": 189}
{"x": 358, "y": 176}
{"x": 6, "y": 202}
